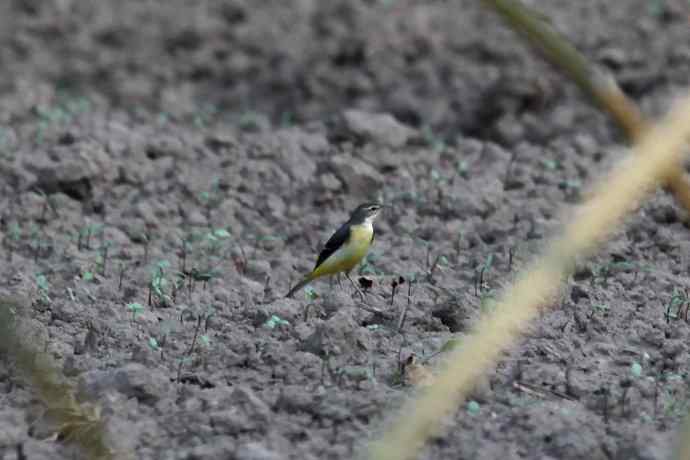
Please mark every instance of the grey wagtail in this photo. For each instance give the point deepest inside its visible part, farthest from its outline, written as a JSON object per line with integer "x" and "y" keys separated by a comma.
{"x": 346, "y": 247}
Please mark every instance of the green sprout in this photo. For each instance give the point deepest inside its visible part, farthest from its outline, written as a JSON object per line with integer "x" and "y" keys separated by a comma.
{"x": 433, "y": 140}
{"x": 604, "y": 271}
{"x": 679, "y": 302}
{"x": 153, "y": 344}
{"x": 636, "y": 369}
{"x": 601, "y": 308}
{"x": 159, "y": 283}
{"x": 310, "y": 293}
{"x": 249, "y": 121}
{"x": 287, "y": 119}
{"x": 15, "y": 231}
{"x": 205, "y": 341}
{"x": 479, "y": 283}
{"x": 85, "y": 233}
{"x": 275, "y": 321}
{"x": 38, "y": 244}
{"x": 211, "y": 198}
{"x": 473, "y": 407}
{"x": 215, "y": 240}
{"x": 136, "y": 308}
{"x": 550, "y": 164}
{"x": 221, "y": 233}
{"x": 463, "y": 168}
{"x": 163, "y": 118}
{"x": 43, "y": 287}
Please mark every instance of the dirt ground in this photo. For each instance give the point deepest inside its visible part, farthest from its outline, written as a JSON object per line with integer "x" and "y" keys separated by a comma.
{"x": 169, "y": 168}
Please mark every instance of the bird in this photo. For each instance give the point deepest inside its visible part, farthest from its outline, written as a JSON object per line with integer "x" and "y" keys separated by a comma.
{"x": 346, "y": 247}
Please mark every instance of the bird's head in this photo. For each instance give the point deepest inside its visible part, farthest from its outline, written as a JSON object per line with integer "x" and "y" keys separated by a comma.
{"x": 366, "y": 212}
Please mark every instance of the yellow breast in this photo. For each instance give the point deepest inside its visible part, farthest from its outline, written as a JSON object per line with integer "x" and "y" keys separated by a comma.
{"x": 349, "y": 254}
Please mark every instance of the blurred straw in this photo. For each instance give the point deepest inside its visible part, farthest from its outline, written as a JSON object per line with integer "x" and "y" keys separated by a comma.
{"x": 601, "y": 88}
{"x": 76, "y": 423}
{"x": 659, "y": 151}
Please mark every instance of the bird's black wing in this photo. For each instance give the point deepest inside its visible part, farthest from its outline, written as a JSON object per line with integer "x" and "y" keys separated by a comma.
{"x": 334, "y": 242}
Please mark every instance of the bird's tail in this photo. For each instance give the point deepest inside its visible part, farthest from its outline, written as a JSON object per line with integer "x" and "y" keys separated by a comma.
{"x": 300, "y": 285}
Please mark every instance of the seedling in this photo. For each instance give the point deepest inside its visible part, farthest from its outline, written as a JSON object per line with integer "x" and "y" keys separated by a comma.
{"x": 601, "y": 308}
{"x": 166, "y": 327}
{"x": 458, "y": 246}
{"x": 681, "y": 303}
{"x": 287, "y": 119}
{"x": 275, "y": 321}
{"x": 43, "y": 287}
{"x": 182, "y": 255}
{"x": 310, "y": 293}
{"x": 210, "y": 245}
{"x": 158, "y": 284}
{"x": 147, "y": 241}
{"x": 39, "y": 245}
{"x": 433, "y": 140}
{"x": 204, "y": 116}
{"x": 48, "y": 204}
{"x": 49, "y": 116}
{"x": 205, "y": 341}
{"x": 102, "y": 259}
{"x": 603, "y": 272}
{"x": 479, "y": 284}
{"x": 261, "y": 241}
{"x": 572, "y": 185}
{"x": 201, "y": 319}
{"x": 240, "y": 260}
{"x": 473, "y": 407}
{"x": 636, "y": 369}
{"x": 463, "y": 168}
{"x": 215, "y": 239}
{"x": 249, "y": 121}
{"x": 550, "y": 164}
{"x": 136, "y": 308}
{"x": 84, "y": 235}
{"x": 153, "y": 344}
{"x": 211, "y": 198}
{"x": 121, "y": 276}
{"x": 14, "y": 236}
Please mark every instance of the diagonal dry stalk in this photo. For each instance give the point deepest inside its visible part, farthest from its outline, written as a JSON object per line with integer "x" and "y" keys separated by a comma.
{"x": 602, "y": 89}
{"x": 659, "y": 151}
{"x": 77, "y": 423}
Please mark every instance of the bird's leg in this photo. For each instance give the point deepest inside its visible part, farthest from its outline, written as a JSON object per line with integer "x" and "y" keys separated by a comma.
{"x": 347, "y": 274}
